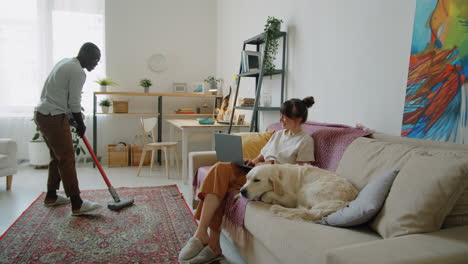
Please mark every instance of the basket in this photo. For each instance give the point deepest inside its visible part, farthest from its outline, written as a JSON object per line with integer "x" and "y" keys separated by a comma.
{"x": 120, "y": 106}
{"x": 117, "y": 157}
{"x": 135, "y": 155}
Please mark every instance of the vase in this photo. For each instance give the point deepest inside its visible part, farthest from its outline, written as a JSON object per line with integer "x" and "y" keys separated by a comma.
{"x": 38, "y": 153}
{"x": 146, "y": 89}
{"x": 103, "y": 88}
{"x": 105, "y": 109}
{"x": 266, "y": 99}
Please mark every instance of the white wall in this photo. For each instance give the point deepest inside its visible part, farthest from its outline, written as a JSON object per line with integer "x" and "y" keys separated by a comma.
{"x": 352, "y": 56}
{"x": 183, "y": 31}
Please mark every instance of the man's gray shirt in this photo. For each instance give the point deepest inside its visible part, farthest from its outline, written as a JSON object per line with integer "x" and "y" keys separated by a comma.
{"x": 61, "y": 93}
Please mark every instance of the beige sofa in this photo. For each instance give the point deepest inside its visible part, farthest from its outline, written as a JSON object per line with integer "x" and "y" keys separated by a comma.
{"x": 272, "y": 239}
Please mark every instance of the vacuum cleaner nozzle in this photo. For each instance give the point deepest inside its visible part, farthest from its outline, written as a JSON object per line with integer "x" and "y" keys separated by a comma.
{"x": 119, "y": 205}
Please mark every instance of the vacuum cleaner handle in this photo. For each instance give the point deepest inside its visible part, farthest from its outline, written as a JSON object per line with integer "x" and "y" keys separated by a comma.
{"x": 104, "y": 176}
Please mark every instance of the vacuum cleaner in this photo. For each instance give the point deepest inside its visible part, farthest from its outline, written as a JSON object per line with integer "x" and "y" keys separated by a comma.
{"x": 118, "y": 203}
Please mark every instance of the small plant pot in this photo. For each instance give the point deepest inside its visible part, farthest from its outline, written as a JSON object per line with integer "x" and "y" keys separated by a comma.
{"x": 103, "y": 88}
{"x": 146, "y": 89}
{"x": 105, "y": 109}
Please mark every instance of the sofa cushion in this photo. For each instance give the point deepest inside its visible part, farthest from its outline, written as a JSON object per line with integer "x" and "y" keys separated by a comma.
{"x": 366, "y": 205}
{"x": 307, "y": 241}
{"x": 367, "y": 158}
{"x": 459, "y": 214}
{"x": 253, "y": 142}
{"x": 422, "y": 195}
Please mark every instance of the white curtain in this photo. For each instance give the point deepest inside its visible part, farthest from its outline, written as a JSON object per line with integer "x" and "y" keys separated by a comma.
{"x": 34, "y": 35}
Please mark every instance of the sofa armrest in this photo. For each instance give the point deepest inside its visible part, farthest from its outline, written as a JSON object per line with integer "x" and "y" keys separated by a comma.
{"x": 8, "y": 147}
{"x": 199, "y": 159}
{"x": 448, "y": 246}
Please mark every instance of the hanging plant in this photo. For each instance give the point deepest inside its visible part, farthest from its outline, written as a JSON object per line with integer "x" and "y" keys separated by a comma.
{"x": 270, "y": 35}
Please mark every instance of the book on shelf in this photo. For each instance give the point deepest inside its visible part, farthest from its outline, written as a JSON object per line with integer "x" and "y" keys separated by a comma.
{"x": 185, "y": 113}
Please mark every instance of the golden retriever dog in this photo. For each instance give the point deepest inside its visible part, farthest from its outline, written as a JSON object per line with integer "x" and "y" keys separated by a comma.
{"x": 298, "y": 191}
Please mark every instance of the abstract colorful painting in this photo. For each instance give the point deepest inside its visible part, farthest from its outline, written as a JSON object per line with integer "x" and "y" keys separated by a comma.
{"x": 436, "y": 104}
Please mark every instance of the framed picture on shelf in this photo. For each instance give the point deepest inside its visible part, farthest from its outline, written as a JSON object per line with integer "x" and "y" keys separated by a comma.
{"x": 197, "y": 88}
{"x": 251, "y": 60}
{"x": 179, "y": 87}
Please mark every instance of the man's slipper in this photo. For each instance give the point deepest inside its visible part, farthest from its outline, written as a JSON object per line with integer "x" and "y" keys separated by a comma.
{"x": 191, "y": 249}
{"x": 60, "y": 200}
{"x": 87, "y": 207}
{"x": 206, "y": 256}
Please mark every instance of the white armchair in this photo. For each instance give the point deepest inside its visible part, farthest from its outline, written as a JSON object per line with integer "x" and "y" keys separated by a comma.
{"x": 8, "y": 164}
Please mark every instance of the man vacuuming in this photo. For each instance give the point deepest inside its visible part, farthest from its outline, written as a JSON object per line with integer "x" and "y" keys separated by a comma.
{"x": 61, "y": 99}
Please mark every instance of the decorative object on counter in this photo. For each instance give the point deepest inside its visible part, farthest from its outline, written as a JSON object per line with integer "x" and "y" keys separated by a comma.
{"x": 266, "y": 99}
{"x": 224, "y": 106}
{"x": 205, "y": 109}
{"x": 240, "y": 119}
{"x": 121, "y": 107}
{"x": 205, "y": 121}
{"x": 104, "y": 82}
{"x": 157, "y": 63}
{"x": 105, "y": 104}
{"x": 197, "y": 88}
{"x": 179, "y": 87}
{"x": 246, "y": 102}
{"x": 213, "y": 84}
{"x": 146, "y": 83}
{"x": 271, "y": 33}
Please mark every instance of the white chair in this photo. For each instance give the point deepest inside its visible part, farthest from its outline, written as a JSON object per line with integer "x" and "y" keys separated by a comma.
{"x": 147, "y": 125}
{"x": 8, "y": 164}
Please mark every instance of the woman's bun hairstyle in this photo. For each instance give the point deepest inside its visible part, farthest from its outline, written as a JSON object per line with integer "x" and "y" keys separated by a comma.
{"x": 297, "y": 108}
{"x": 309, "y": 101}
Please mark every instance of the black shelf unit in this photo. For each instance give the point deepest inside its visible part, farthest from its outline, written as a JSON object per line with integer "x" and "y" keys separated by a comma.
{"x": 257, "y": 41}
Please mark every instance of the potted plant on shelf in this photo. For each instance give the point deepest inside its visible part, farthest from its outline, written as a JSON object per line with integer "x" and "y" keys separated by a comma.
{"x": 212, "y": 83}
{"x": 105, "y": 104}
{"x": 146, "y": 83}
{"x": 271, "y": 33}
{"x": 104, "y": 82}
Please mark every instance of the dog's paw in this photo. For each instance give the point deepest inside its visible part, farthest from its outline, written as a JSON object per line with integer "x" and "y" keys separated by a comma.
{"x": 276, "y": 209}
{"x": 268, "y": 197}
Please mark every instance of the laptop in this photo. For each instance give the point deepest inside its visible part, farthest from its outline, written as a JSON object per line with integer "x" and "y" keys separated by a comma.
{"x": 229, "y": 149}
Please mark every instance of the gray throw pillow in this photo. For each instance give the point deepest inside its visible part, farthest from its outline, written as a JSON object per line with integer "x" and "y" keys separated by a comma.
{"x": 366, "y": 205}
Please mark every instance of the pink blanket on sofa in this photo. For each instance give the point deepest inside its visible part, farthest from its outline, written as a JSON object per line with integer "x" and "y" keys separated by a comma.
{"x": 330, "y": 140}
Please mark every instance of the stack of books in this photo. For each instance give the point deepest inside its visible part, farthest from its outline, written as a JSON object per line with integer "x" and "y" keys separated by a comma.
{"x": 185, "y": 111}
{"x": 246, "y": 101}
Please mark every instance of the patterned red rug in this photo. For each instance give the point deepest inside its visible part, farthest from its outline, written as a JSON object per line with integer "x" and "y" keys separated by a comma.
{"x": 153, "y": 230}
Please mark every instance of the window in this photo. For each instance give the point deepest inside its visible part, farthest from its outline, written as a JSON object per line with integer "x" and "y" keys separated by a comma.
{"x": 34, "y": 35}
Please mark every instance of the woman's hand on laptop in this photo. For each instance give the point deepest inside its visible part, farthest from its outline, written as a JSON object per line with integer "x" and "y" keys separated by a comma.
{"x": 266, "y": 162}
{"x": 249, "y": 162}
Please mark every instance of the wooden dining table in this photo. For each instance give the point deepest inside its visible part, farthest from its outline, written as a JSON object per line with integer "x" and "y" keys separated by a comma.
{"x": 189, "y": 127}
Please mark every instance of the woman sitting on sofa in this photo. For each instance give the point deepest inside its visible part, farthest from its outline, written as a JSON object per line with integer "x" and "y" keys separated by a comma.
{"x": 289, "y": 145}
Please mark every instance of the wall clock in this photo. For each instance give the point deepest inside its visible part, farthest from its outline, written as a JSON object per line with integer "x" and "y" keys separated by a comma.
{"x": 157, "y": 63}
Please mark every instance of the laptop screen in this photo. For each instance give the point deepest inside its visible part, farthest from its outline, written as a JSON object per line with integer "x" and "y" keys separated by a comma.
{"x": 229, "y": 148}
